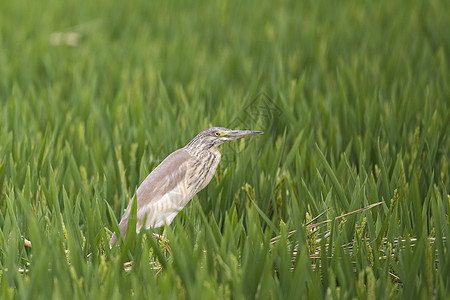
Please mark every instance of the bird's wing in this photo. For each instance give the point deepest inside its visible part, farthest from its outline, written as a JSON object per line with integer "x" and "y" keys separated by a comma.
{"x": 167, "y": 178}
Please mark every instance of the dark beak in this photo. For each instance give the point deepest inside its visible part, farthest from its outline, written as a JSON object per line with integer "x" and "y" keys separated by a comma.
{"x": 242, "y": 133}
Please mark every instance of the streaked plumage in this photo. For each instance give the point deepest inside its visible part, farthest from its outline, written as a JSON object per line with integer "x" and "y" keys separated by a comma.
{"x": 185, "y": 172}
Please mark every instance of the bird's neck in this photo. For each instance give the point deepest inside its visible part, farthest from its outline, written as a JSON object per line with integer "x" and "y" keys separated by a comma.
{"x": 199, "y": 150}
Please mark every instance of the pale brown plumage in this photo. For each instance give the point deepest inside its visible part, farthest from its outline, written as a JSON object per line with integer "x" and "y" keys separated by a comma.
{"x": 173, "y": 183}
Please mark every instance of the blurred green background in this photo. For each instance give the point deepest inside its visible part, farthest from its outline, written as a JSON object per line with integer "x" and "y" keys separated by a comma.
{"x": 353, "y": 97}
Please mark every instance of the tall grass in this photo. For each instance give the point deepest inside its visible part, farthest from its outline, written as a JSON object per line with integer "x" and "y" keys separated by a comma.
{"x": 353, "y": 98}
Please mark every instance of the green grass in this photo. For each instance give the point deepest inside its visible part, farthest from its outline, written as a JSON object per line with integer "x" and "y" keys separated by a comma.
{"x": 353, "y": 97}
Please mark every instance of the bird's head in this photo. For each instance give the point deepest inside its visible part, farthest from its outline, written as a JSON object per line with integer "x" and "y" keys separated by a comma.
{"x": 215, "y": 136}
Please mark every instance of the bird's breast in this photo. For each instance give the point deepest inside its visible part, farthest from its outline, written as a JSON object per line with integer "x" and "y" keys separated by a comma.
{"x": 204, "y": 169}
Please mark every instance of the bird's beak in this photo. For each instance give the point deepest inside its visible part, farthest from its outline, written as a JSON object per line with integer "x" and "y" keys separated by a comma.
{"x": 236, "y": 134}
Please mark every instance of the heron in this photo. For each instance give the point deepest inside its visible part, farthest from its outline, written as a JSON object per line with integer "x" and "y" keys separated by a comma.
{"x": 181, "y": 175}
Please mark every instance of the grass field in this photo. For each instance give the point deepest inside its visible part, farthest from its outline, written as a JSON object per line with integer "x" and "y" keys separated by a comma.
{"x": 353, "y": 97}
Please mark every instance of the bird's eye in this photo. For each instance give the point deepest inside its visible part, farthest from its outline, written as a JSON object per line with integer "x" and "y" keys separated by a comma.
{"x": 217, "y": 133}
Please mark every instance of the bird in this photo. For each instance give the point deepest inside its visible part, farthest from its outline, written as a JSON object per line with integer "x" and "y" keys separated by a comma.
{"x": 181, "y": 175}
